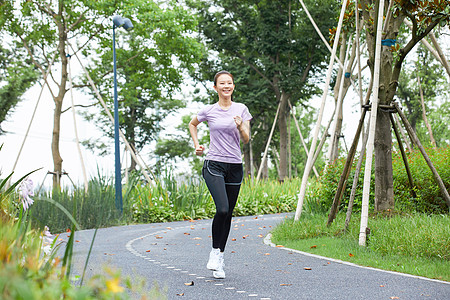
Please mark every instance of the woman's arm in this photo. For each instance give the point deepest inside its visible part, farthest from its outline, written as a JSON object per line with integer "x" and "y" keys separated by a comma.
{"x": 244, "y": 129}
{"x": 193, "y": 130}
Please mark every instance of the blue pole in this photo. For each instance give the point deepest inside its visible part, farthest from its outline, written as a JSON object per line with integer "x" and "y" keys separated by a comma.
{"x": 118, "y": 176}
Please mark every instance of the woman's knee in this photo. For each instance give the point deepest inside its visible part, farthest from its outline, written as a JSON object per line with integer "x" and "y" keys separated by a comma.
{"x": 222, "y": 211}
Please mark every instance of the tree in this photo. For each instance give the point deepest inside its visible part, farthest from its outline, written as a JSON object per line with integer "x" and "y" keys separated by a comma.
{"x": 43, "y": 29}
{"x": 425, "y": 16}
{"x": 433, "y": 85}
{"x": 150, "y": 64}
{"x": 16, "y": 77}
{"x": 277, "y": 50}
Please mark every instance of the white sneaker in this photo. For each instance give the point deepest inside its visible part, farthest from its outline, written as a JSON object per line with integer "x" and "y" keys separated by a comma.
{"x": 214, "y": 259}
{"x": 220, "y": 273}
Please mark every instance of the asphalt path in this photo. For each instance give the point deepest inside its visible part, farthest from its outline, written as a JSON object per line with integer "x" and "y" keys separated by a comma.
{"x": 174, "y": 255}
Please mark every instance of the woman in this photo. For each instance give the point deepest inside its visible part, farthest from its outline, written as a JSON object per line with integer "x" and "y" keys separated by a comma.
{"x": 228, "y": 122}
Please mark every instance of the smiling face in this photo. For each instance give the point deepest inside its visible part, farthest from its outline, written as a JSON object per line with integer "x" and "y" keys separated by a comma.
{"x": 224, "y": 86}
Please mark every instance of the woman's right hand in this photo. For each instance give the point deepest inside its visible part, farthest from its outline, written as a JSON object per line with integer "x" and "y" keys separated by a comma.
{"x": 199, "y": 150}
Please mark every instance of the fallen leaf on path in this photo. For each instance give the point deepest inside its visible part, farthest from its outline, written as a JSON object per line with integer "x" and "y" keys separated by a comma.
{"x": 285, "y": 284}
{"x": 233, "y": 251}
{"x": 182, "y": 294}
{"x": 245, "y": 236}
{"x": 266, "y": 253}
{"x": 260, "y": 235}
{"x": 158, "y": 237}
{"x": 170, "y": 228}
{"x": 189, "y": 283}
{"x": 187, "y": 233}
{"x": 289, "y": 264}
{"x": 255, "y": 218}
{"x": 147, "y": 251}
{"x": 197, "y": 238}
{"x": 77, "y": 241}
{"x": 233, "y": 240}
{"x": 381, "y": 285}
{"x": 394, "y": 297}
{"x": 307, "y": 268}
{"x": 280, "y": 246}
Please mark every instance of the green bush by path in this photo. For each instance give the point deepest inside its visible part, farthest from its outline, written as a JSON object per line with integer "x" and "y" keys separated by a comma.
{"x": 416, "y": 243}
{"x": 165, "y": 200}
{"x": 429, "y": 199}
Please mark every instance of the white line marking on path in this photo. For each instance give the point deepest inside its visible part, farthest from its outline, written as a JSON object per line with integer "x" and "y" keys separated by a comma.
{"x": 268, "y": 241}
{"x": 129, "y": 247}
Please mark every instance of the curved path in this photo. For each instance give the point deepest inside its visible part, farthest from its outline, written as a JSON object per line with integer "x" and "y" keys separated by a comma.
{"x": 175, "y": 254}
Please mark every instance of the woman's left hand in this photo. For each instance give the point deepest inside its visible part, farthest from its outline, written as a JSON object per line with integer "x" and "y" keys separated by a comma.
{"x": 238, "y": 121}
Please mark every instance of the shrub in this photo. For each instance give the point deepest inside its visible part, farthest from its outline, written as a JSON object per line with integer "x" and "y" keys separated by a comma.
{"x": 429, "y": 199}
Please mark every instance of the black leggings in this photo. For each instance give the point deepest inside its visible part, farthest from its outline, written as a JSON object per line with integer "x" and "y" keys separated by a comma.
{"x": 224, "y": 182}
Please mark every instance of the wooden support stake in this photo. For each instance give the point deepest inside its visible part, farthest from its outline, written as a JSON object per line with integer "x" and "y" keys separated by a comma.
{"x": 416, "y": 140}
{"x": 351, "y": 200}
{"x": 404, "y": 157}
{"x": 346, "y": 172}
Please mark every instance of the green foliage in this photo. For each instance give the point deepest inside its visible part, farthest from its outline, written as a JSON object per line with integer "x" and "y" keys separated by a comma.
{"x": 272, "y": 51}
{"x": 429, "y": 198}
{"x": 16, "y": 77}
{"x": 322, "y": 193}
{"x": 92, "y": 209}
{"x": 151, "y": 60}
{"x": 434, "y": 87}
{"x": 416, "y": 236}
{"x": 26, "y": 272}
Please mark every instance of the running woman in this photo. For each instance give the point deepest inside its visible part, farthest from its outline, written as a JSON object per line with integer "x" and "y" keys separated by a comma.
{"x": 228, "y": 122}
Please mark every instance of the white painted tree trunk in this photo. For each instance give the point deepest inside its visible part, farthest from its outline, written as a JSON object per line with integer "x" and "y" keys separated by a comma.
{"x": 371, "y": 137}
{"x": 264, "y": 158}
{"x": 308, "y": 167}
{"x": 336, "y": 132}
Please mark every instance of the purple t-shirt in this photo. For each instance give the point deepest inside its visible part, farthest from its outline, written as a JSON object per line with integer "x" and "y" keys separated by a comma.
{"x": 224, "y": 136}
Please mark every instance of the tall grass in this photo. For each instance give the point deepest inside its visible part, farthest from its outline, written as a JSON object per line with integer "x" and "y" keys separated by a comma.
{"x": 166, "y": 199}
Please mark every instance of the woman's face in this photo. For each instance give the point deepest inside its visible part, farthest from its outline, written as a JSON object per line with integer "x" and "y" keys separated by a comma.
{"x": 224, "y": 86}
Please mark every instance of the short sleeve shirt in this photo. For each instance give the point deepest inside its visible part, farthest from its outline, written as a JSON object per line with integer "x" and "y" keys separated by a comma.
{"x": 224, "y": 136}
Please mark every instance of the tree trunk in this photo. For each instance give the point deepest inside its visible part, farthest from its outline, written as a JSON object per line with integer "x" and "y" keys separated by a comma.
{"x": 384, "y": 181}
{"x": 247, "y": 160}
{"x": 384, "y": 191}
{"x": 282, "y": 125}
{"x": 57, "y": 159}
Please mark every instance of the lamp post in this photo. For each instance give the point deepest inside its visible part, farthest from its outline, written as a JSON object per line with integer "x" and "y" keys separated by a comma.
{"x": 118, "y": 21}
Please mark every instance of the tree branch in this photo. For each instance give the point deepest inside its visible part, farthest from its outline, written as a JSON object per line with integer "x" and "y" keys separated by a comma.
{"x": 254, "y": 68}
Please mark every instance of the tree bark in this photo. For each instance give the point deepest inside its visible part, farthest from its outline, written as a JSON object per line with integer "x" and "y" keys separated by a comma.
{"x": 282, "y": 126}
{"x": 58, "y": 100}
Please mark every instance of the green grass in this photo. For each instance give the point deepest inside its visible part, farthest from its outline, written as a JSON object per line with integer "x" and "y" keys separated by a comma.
{"x": 416, "y": 244}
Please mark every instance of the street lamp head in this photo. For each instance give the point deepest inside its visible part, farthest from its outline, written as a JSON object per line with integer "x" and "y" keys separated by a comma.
{"x": 118, "y": 21}
{"x": 125, "y": 22}
{"x": 127, "y": 25}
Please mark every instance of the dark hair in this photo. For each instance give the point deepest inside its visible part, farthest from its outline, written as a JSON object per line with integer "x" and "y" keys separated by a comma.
{"x": 221, "y": 73}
